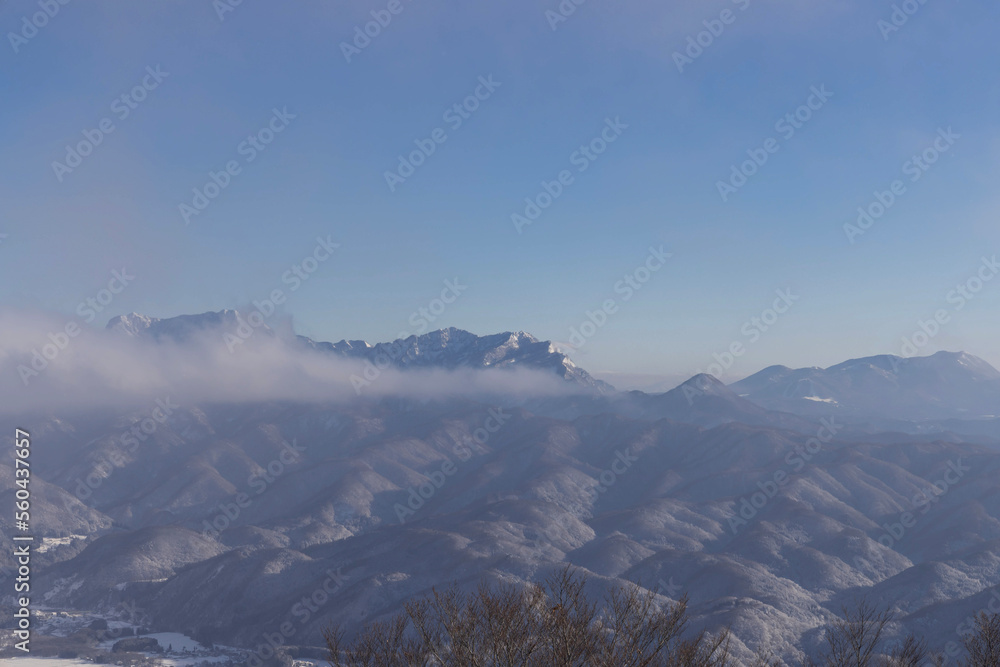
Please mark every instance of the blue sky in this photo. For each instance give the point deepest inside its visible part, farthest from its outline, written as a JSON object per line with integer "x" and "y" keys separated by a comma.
{"x": 656, "y": 184}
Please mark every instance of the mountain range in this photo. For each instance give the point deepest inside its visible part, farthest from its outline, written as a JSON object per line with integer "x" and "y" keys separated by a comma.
{"x": 772, "y": 501}
{"x": 943, "y": 385}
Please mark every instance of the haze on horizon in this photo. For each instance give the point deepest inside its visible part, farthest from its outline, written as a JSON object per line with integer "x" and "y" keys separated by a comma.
{"x": 881, "y": 103}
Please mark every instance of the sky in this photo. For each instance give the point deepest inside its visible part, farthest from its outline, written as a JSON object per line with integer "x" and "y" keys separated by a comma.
{"x": 614, "y": 118}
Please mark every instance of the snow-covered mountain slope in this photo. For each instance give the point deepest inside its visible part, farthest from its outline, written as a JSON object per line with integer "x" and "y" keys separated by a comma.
{"x": 941, "y": 386}
{"x": 702, "y": 400}
{"x": 769, "y": 530}
{"x": 454, "y": 348}
{"x": 180, "y": 328}
{"x": 449, "y": 349}
{"x": 227, "y": 520}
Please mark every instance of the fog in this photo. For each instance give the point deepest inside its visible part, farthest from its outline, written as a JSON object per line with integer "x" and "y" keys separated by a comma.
{"x": 47, "y": 365}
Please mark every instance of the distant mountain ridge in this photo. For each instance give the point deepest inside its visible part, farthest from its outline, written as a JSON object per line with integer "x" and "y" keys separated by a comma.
{"x": 453, "y": 348}
{"x": 945, "y": 385}
{"x": 180, "y": 328}
{"x": 226, "y": 516}
{"x": 942, "y": 385}
{"x": 449, "y": 348}
{"x": 658, "y": 503}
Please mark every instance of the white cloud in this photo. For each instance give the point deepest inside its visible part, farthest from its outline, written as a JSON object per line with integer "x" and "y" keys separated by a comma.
{"x": 102, "y": 369}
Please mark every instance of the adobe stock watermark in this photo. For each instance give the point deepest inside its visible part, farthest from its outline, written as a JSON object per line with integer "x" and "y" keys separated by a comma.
{"x": 223, "y": 7}
{"x": 627, "y": 287}
{"x": 89, "y": 308}
{"x": 30, "y": 25}
{"x": 133, "y": 616}
{"x": 129, "y": 443}
{"x": 436, "y": 479}
{"x": 303, "y": 611}
{"x": 714, "y": 28}
{"x": 899, "y": 17}
{"x": 455, "y": 116}
{"x": 59, "y": 340}
{"x": 581, "y": 158}
{"x": 749, "y": 506}
{"x": 122, "y": 107}
{"x": 967, "y": 626}
{"x": 670, "y": 589}
{"x": 550, "y": 534}
{"x": 923, "y": 501}
{"x": 420, "y": 320}
{"x": 609, "y": 476}
{"x": 786, "y": 126}
{"x": 606, "y": 479}
{"x": 295, "y": 277}
{"x": 915, "y": 168}
{"x": 249, "y": 149}
{"x": 260, "y": 482}
{"x": 562, "y": 12}
{"x": 958, "y": 298}
{"x": 363, "y": 35}
{"x": 751, "y": 330}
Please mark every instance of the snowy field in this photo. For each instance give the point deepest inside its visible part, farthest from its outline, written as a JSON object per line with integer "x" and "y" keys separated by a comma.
{"x": 175, "y": 641}
{"x": 188, "y": 662}
{"x": 184, "y": 651}
{"x": 52, "y": 542}
{"x": 46, "y": 662}
{"x": 173, "y": 662}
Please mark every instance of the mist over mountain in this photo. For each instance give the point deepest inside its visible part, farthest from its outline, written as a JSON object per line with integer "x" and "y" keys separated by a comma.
{"x": 699, "y": 300}
{"x": 443, "y": 349}
{"x": 457, "y": 458}
{"x": 183, "y": 327}
{"x": 453, "y": 348}
{"x": 224, "y": 357}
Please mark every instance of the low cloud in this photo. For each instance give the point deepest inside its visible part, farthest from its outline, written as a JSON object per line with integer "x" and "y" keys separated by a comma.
{"x": 43, "y": 368}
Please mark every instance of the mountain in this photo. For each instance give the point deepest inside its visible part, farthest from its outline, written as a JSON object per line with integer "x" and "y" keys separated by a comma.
{"x": 374, "y": 504}
{"x": 449, "y": 349}
{"x": 178, "y": 329}
{"x": 454, "y": 348}
{"x": 705, "y": 400}
{"x": 701, "y": 400}
{"x": 230, "y": 520}
{"x": 945, "y": 385}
